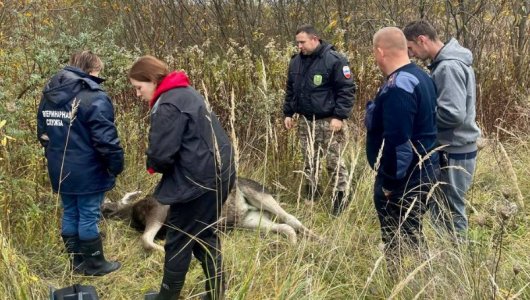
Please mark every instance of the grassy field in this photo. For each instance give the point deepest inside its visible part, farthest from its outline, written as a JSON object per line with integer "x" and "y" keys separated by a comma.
{"x": 346, "y": 264}
{"x": 243, "y": 76}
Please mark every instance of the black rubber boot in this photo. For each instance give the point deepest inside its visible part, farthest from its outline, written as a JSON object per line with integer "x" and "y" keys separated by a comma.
{"x": 95, "y": 262}
{"x": 215, "y": 284}
{"x": 339, "y": 204}
{"x": 311, "y": 193}
{"x": 150, "y": 296}
{"x": 172, "y": 284}
{"x": 71, "y": 243}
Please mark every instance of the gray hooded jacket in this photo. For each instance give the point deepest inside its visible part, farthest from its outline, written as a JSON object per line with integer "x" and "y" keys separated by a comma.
{"x": 455, "y": 82}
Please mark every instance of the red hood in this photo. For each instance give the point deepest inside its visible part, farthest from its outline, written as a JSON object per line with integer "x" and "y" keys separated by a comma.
{"x": 171, "y": 81}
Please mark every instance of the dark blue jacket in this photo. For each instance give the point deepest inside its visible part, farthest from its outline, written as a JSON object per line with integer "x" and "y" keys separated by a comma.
{"x": 319, "y": 85}
{"x": 75, "y": 124}
{"x": 402, "y": 121}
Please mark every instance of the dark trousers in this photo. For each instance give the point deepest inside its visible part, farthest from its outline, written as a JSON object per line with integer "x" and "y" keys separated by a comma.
{"x": 192, "y": 228}
{"x": 400, "y": 216}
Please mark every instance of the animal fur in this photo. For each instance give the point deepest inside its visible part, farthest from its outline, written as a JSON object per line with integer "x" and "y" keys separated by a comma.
{"x": 249, "y": 205}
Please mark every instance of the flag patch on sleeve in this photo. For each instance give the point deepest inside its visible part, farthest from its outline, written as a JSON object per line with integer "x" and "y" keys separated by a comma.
{"x": 346, "y": 71}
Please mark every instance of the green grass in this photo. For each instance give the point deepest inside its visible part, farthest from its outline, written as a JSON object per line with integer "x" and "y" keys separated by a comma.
{"x": 346, "y": 264}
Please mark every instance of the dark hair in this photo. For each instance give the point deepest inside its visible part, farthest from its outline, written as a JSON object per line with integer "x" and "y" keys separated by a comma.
{"x": 420, "y": 27}
{"x": 86, "y": 61}
{"x": 148, "y": 69}
{"x": 307, "y": 28}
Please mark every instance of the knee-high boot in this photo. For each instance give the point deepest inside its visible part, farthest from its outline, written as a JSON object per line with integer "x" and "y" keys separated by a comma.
{"x": 95, "y": 262}
{"x": 339, "y": 203}
{"x": 71, "y": 243}
{"x": 172, "y": 284}
{"x": 211, "y": 262}
{"x": 215, "y": 284}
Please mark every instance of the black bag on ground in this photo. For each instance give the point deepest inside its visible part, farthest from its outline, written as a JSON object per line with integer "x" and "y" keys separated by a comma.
{"x": 74, "y": 292}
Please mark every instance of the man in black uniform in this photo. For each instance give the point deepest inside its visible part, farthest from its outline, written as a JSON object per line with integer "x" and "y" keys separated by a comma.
{"x": 320, "y": 88}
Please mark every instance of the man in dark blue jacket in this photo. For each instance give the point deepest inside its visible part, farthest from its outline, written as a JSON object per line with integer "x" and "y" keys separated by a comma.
{"x": 320, "y": 88}
{"x": 401, "y": 135}
{"x": 75, "y": 125}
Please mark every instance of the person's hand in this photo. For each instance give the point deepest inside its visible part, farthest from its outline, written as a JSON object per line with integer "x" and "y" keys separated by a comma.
{"x": 288, "y": 122}
{"x": 387, "y": 193}
{"x": 335, "y": 125}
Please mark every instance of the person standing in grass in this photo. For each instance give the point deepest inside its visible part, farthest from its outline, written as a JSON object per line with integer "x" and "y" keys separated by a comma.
{"x": 321, "y": 89}
{"x": 188, "y": 146}
{"x": 75, "y": 125}
{"x": 454, "y": 77}
{"x": 400, "y": 139}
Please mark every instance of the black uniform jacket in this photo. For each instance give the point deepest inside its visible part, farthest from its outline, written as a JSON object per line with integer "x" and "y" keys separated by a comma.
{"x": 319, "y": 85}
{"x": 188, "y": 146}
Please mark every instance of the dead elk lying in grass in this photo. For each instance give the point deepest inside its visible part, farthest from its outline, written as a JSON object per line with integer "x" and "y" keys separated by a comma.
{"x": 249, "y": 205}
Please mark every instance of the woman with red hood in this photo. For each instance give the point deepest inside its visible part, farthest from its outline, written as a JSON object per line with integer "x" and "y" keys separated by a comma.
{"x": 188, "y": 146}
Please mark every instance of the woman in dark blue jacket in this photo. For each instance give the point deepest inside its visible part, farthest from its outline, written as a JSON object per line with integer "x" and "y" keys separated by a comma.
{"x": 75, "y": 125}
{"x": 188, "y": 146}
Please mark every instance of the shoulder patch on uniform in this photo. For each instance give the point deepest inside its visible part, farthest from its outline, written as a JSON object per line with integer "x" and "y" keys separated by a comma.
{"x": 346, "y": 71}
{"x": 405, "y": 81}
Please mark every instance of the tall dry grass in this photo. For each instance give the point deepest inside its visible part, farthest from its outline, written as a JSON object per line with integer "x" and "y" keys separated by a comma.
{"x": 347, "y": 264}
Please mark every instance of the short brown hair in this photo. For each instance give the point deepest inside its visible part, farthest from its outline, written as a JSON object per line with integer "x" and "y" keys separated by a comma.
{"x": 86, "y": 61}
{"x": 420, "y": 27}
{"x": 148, "y": 69}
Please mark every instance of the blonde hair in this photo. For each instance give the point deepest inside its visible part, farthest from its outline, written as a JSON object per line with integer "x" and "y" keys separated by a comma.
{"x": 86, "y": 61}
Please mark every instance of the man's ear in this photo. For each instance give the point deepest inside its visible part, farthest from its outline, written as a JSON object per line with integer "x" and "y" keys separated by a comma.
{"x": 422, "y": 39}
{"x": 380, "y": 51}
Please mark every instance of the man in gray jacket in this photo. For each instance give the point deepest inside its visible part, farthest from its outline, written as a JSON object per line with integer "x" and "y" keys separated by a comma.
{"x": 457, "y": 130}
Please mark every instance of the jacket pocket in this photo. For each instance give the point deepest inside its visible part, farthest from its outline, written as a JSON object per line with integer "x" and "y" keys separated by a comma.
{"x": 322, "y": 102}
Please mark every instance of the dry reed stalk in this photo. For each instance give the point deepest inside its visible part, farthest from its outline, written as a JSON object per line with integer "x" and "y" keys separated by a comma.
{"x": 423, "y": 289}
{"x": 73, "y": 115}
{"x": 370, "y": 278}
{"x": 511, "y": 174}
{"x": 269, "y": 135}
{"x": 402, "y": 284}
{"x": 354, "y": 160}
{"x": 379, "y": 156}
{"x": 428, "y": 155}
{"x": 235, "y": 141}
{"x": 433, "y": 189}
{"x": 496, "y": 289}
{"x": 519, "y": 292}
